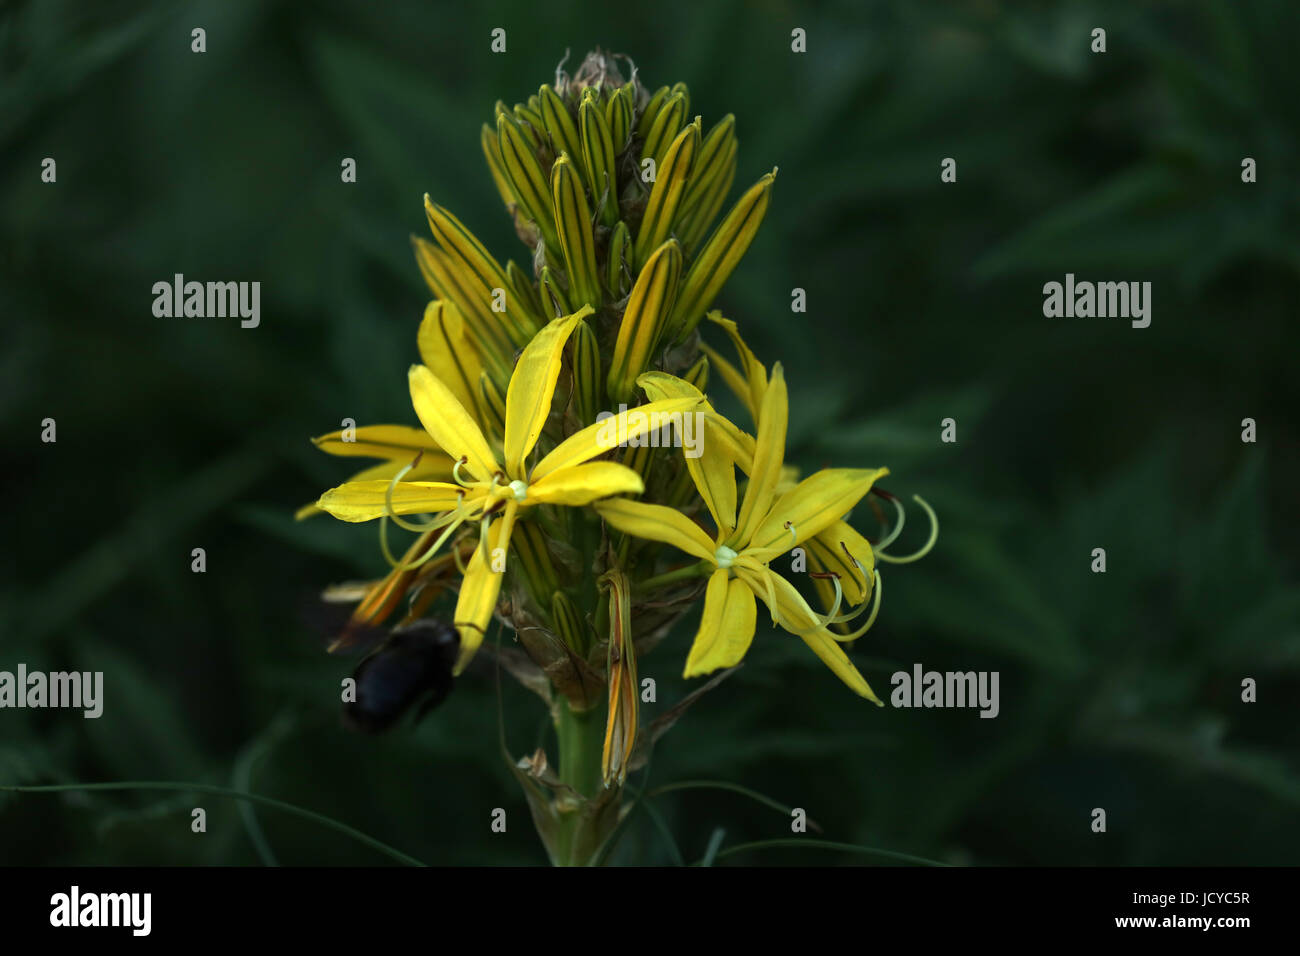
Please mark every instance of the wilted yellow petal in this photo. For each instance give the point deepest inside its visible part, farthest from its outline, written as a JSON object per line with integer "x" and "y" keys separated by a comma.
{"x": 532, "y": 386}
{"x": 606, "y": 435}
{"x": 445, "y": 418}
{"x": 726, "y": 628}
{"x": 656, "y": 523}
{"x": 365, "y": 500}
{"x": 769, "y": 455}
{"x": 583, "y": 484}
{"x": 813, "y": 505}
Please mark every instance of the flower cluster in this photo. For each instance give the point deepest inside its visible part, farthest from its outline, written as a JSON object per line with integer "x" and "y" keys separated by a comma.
{"x": 585, "y": 529}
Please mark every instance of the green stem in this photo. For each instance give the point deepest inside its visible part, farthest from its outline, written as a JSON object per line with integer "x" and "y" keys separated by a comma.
{"x": 580, "y": 736}
{"x": 672, "y": 577}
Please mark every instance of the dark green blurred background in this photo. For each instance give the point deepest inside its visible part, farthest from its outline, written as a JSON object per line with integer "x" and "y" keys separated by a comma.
{"x": 1119, "y": 691}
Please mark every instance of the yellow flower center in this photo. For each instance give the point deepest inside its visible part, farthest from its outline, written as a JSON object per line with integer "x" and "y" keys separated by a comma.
{"x": 520, "y": 488}
{"x": 724, "y": 556}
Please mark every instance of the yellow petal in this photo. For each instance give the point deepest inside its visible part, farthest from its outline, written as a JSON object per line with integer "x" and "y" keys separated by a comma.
{"x": 769, "y": 455}
{"x": 837, "y": 549}
{"x": 584, "y": 484}
{"x": 445, "y": 418}
{"x": 727, "y": 627}
{"x": 795, "y": 613}
{"x": 365, "y": 500}
{"x": 812, "y": 506}
{"x": 532, "y": 386}
{"x": 481, "y": 587}
{"x": 446, "y": 348}
{"x": 392, "y": 442}
{"x": 604, "y": 436}
{"x": 732, "y": 377}
{"x": 657, "y": 523}
{"x": 738, "y": 444}
{"x": 754, "y": 371}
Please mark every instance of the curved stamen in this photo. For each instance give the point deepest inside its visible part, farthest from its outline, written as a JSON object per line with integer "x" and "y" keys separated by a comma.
{"x": 875, "y": 609}
{"x": 896, "y": 530}
{"x": 455, "y": 556}
{"x": 830, "y": 615}
{"x": 455, "y": 471}
{"x": 391, "y": 512}
{"x": 794, "y": 535}
{"x": 452, "y": 519}
{"x": 925, "y": 548}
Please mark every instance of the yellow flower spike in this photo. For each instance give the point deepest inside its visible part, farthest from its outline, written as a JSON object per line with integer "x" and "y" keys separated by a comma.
{"x": 559, "y": 124}
{"x": 671, "y": 179}
{"x": 650, "y": 112}
{"x": 647, "y": 310}
{"x": 618, "y": 115}
{"x": 605, "y": 436}
{"x": 525, "y": 176}
{"x": 664, "y": 129}
{"x": 450, "y": 285}
{"x": 618, "y": 268}
{"x": 624, "y": 694}
{"x": 711, "y": 165}
{"x": 706, "y": 208}
{"x": 528, "y": 401}
{"x": 719, "y": 257}
{"x": 682, "y": 90}
{"x": 445, "y": 418}
{"x": 586, "y": 373}
{"x": 573, "y": 224}
{"x": 447, "y": 350}
{"x": 525, "y": 293}
{"x": 726, "y": 628}
{"x": 769, "y": 456}
{"x": 534, "y": 123}
{"x": 554, "y": 293}
{"x": 598, "y": 157}
{"x": 492, "y": 153}
{"x": 481, "y": 275}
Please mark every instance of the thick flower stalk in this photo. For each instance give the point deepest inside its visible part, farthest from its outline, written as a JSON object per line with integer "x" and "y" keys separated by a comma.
{"x": 570, "y": 456}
